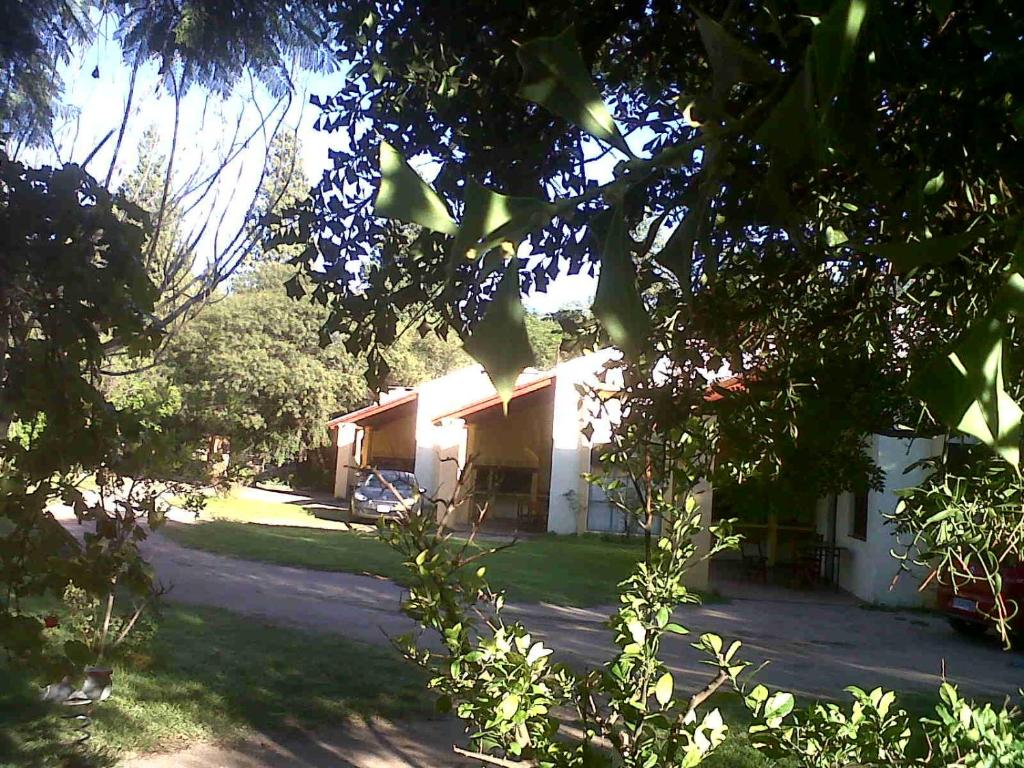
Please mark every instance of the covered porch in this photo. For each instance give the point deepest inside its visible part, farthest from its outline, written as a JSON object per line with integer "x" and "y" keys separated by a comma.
{"x": 509, "y": 459}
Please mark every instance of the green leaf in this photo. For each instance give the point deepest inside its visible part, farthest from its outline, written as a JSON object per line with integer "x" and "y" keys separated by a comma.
{"x": 617, "y": 303}
{"x": 941, "y": 9}
{"x": 756, "y": 697}
{"x": 790, "y": 132}
{"x": 966, "y": 391}
{"x": 490, "y": 218}
{"x": 937, "y": 250}
{"x": 403, "y": 195}
{"x": 677, "y": 253}
{"x": 663, "y": 689}
{"x": 509, "y": 706}
{"x": 499, "y": 341}
{"x": 834, "y": 43}
{"x": 934, "y": 185}
{"x": 712, "y": 641}
{"x": 555, "y": 77}
{"x": 834, "y": 237}
{"x": 636, "y": 631}
{"x": 731, "y": 61}
{"x": 293, "y": 287}
{"x": 676, "y": 629}
{"x": 778, "y": 706}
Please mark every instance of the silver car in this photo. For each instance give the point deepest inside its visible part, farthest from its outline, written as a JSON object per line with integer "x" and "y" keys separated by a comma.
{"x": 372, "y": 498}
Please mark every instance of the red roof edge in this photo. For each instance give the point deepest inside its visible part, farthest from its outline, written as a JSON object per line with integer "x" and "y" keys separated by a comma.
{"x": 483, "y": 404}
{"x": 372, "y": 410}
{"x": 717, "y": 390}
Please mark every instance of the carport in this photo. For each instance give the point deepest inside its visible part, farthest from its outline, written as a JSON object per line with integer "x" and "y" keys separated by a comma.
{"x": 382, "y": 435}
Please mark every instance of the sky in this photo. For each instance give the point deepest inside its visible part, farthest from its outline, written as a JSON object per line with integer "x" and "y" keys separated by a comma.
{"x": 212, "y": 130}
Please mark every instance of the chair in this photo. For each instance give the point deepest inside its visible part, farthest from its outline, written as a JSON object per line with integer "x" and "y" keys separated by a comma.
{"x": 755, "y": 564}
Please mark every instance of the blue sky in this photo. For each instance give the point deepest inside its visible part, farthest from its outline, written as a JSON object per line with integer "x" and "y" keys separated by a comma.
{"x": 208, "y": 126}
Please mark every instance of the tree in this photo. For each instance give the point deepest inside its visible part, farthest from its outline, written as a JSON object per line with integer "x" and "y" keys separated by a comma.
{"x": 250, "y": 367}
{"x": 820, "y": 261}
{"x": 841, "y": 181}
{"x": 213, "y": 45}
{"x": 72, "y": 279}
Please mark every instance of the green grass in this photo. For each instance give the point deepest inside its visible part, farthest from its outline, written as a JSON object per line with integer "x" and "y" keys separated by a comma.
{"x": 565, "y": 570}
{"x": 212, "y": 675}
{"x": 238, "y": 510}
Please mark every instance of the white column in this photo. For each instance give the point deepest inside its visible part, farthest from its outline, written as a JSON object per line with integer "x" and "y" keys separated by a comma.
{"x": 566, "y": 452}
{"x": 697, "y": 576}
{"x": 451, "y": 459}
{"x": 345, "y": 441}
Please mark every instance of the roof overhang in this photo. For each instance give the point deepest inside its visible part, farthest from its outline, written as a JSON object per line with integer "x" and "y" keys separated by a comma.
{"x": 720, "y": 389}
{"x": 378, "y": 412}
{"x": 485, "y": 404}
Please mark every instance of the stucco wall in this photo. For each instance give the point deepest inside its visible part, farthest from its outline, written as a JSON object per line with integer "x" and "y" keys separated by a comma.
{"x": 395, "y": 439}
{"x": 344, "y": 441}
{"x": 570, "y": 449}
{"x": 867, "y": 567}
{"x": 437, "y": 398}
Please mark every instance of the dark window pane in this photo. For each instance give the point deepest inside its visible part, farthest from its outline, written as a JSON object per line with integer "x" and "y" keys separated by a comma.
{"x": 859, "y": 526}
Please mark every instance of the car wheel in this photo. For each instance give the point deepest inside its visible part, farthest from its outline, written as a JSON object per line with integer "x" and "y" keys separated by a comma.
{"x": 968, "y": 628}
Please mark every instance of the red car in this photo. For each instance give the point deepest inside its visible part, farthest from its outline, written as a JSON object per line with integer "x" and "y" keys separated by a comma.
{"x": 970, "y": 606}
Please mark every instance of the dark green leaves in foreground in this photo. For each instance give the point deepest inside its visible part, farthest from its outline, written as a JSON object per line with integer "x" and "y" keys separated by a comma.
{"x": 491, "y": 218}
{"x": 618, "y": 305}
{"x": 499, "y": 341}
{"x": 555, "y": 76}
{"x": 937, "y": 250}
{"x": 965, "y": 390}
{"x": 403, "y": 195}
{"x": 731, "y": 61}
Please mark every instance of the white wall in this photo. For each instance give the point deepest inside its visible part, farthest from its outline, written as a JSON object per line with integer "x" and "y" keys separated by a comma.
{"x": 345, "y": 443}
{"x": 570, "y": 449}
{"x": 867, "y": 567}
{"x": 437, "y": 398}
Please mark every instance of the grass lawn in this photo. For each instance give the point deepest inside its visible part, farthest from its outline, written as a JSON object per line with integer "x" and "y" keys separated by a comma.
{"x": 212, "y": 675}
{"x": 239, "y": 510}
{"x": 565, "y": 570}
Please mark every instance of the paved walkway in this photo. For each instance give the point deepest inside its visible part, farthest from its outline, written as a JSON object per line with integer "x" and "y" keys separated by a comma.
{"x": 368, "y": 744}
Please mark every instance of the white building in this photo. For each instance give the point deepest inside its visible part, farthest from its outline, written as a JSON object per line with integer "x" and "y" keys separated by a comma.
{"x": 528, "y": 463}
{"x": 528, "y": 467}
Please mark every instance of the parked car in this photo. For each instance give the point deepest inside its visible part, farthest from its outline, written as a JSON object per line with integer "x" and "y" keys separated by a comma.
{"x": 372, "y": 498}
{"x": 970, "y": 607}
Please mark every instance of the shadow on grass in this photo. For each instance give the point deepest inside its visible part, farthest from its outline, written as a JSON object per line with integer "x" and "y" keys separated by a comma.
{"x": 210, "y": 675}
{"x": 34, "y": 735}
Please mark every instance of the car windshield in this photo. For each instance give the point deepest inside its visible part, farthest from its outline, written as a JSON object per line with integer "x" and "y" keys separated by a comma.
{"x": 403, "y": 482}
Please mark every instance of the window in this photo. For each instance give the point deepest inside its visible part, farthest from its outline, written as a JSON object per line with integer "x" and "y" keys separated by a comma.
{"x": 859, "y": 520}
{"x": 512, "y": 480}
{"x": 960, "y": 453}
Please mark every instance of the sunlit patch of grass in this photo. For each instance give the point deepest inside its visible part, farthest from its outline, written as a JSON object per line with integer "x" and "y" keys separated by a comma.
{"x": 261, "y": 512}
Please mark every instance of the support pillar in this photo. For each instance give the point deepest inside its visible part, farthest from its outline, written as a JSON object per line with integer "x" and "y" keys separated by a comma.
{"x": 345, "y": 442}
{"x": 451, "y": 459}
